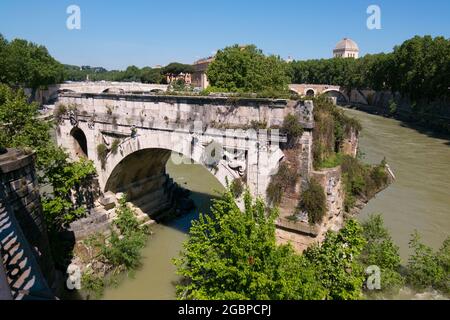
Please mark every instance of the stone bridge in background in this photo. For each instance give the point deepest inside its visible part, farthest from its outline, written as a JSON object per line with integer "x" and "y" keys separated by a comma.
{"x": 99, "y": 87}
{"x": 313, "y": 90}
{"x": 141, "y": 132}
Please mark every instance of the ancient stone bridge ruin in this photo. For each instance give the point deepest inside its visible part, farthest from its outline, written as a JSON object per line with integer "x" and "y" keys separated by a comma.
{"x": 141, "y": 132}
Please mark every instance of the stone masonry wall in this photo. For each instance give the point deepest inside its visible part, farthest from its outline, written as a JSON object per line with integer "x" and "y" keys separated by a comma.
{"x": 18, "y": 176}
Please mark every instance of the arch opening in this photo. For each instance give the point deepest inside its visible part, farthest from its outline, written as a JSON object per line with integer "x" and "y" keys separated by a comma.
{"x": 339, "y": 96}
{"x": 310, "y": 93}
{"x": 79, "y": 142}
{"x": 143, "y": 177}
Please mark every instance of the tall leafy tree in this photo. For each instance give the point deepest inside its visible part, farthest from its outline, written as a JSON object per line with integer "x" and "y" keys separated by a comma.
{"x": 22, "y": 128}
{"x": 247, "y": 69}
{"x": 381, "y": 251}
{"x": 26, "y": 64}
{"x": 232, "y": 254}
{"x": 336, "y": 265}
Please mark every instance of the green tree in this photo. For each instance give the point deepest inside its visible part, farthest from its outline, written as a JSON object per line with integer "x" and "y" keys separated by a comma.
{"x": 149, "y": 75}
{"x": 427, "y": 269}
{"x": 21, "y": 128}
{"x": 176, "y": 68}
{"x": 381, "y": 251}
{"x": 232, "y": 254}
{"x": 247, "y": 69}
{"x": 422, "y": 68}
{"x": 26, "y": 64}
{"x": 70, "y": 197}
{"x": 335, "y": 262}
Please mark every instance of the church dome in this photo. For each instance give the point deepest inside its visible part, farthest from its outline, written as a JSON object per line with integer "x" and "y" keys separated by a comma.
{"x": 347, "y": 45}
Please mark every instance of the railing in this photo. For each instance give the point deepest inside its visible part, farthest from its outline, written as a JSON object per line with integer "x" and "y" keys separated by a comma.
{"x": 5, "y": 291}
{"x": 27, "y": 281}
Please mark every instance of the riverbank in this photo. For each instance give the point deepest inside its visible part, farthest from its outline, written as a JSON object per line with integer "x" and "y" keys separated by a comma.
{"x": 419, "y": 199}
{"x": 425, "y": 123}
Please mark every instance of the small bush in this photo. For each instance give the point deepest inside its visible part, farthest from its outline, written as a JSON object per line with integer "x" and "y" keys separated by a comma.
{"x": 381, "y": 251}
{"x": 332, "y": 127}
{"x": 427, "y": 269}
{"x": 392, "y": 107}
{"x": 362, "y": 180}
{"x": 115, "y": 146}
{"x": 292, "y": 128}
{"x": 285, "y": 179}
{"x": 102, "y": 153}
{"x": 331, "y": 162}
{"x": 237, "y": 187}
{"x": 314, "y": 202}
{"x": 92, "y": 284}
{"x": 59, "y": 112}
{"x": 258, "y": 125}
{"x": 275, "y": 192}
{"x": 124, "y": 249}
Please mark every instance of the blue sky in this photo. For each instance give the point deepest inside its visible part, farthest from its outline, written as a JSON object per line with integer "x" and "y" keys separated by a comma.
{"x": 115, "y": 34}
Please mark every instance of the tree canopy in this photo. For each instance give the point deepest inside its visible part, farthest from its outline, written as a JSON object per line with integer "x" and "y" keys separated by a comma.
{"x": 26, "y": 64}
{"x": 232, "y": 254}
{"x": 247, "y": 69}
{"x": 419, "y": 69}
{"x": 176, "y": 68}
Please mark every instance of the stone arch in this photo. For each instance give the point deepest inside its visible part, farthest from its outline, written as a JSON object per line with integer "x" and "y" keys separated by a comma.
{"x": 340, "y": 96}
{"x": 310, "y": 92}
{"x": 154, "y": 149}
{"x": 79, "y": 140}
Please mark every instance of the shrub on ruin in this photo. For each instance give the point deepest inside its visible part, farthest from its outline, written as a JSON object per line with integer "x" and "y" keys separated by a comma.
{"x": 237, "y": 187}
{"x": 284, "y": 180}
{"x": 362, "y": 180}
{"x": 292, "y": 128}
{"x": 115, "y": 146}
{"x": 59, "y": 112}
{"x": 102, "y": 154}
{"x": 314, "y": 202}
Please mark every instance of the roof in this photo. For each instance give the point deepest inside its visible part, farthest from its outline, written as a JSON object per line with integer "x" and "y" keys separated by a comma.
{"x": 346, "y": 44}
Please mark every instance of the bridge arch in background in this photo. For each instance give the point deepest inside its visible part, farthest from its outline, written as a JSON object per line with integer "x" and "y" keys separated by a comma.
{"x": 341, "y": 97}
{"x": 310, "y": 92}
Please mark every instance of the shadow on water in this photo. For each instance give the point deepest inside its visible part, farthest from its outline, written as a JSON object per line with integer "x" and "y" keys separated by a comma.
{"x": 203, "y": 203}
{"x": 426, "y": 131}
{"x": 405, "y": 122}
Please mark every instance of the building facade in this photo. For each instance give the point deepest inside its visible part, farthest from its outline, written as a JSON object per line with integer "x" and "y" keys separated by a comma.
{"x": 199, "y": 77}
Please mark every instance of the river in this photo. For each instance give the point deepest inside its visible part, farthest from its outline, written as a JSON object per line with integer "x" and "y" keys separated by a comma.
{"x": 419, "y": 199}
{"x": 157, "y": 277}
